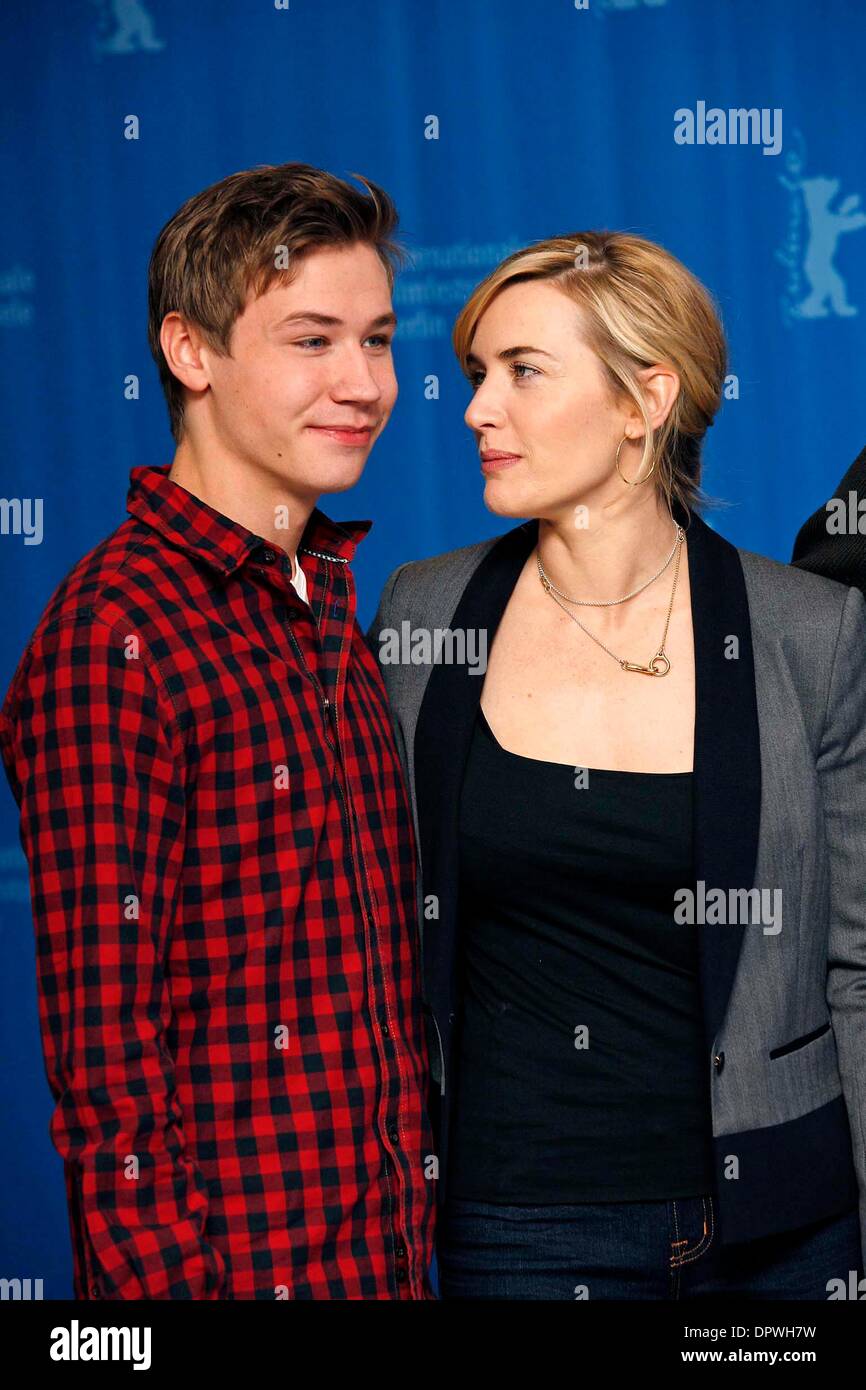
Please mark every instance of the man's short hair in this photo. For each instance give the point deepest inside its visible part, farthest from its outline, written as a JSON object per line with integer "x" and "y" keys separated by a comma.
{"x": 247, "y": 232}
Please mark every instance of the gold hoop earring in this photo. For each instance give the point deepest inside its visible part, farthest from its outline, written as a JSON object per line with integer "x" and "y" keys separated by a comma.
{"x": 637, "y": 481}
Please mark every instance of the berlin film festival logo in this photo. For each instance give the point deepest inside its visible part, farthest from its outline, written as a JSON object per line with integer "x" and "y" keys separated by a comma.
{"x": 815, "y": 288}
{"x": 124, "y": 26}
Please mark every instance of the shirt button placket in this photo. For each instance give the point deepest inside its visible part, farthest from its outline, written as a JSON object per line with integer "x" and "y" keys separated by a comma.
{"x": 401, "y": 1265}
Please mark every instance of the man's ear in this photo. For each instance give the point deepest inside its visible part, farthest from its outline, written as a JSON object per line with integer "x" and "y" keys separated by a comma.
{"x": 182, "y": 344}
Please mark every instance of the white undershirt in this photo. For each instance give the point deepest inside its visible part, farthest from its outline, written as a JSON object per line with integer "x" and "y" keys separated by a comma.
{"x": 299, "y": 581}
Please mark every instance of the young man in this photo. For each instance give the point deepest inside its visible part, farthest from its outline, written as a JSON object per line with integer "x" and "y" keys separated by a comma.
{"x": 221, "y": 852}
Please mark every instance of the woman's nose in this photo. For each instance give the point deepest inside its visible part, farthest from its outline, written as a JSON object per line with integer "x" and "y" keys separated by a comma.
{"x": 483, "y": 410}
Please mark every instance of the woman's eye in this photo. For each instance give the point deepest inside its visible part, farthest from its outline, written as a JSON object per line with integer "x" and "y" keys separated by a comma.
{"x": 475, "y": 378}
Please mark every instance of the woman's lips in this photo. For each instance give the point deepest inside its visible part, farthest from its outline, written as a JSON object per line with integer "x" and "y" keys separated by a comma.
{"x": 345, "y": 436}
{"x": 495, "y": 462}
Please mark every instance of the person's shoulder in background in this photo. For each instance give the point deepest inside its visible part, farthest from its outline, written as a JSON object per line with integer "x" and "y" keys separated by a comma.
{"x": 830, "y": 543}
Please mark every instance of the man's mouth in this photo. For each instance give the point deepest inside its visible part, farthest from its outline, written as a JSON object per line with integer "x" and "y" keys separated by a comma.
{"x": 346, "y": 434}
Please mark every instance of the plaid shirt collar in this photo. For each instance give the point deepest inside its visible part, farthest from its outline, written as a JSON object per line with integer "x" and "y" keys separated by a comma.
{"x": 187, "y": 521}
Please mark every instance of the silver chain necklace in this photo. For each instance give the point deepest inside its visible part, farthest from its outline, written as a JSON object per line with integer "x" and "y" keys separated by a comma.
{"x": 651, "y": 669}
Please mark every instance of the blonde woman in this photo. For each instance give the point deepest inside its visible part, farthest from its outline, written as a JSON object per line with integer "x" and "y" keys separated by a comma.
{"x": 642, "y": 825}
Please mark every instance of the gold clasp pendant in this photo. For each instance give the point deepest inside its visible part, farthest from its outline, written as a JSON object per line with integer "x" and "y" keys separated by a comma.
{"x": 648, "y": 670}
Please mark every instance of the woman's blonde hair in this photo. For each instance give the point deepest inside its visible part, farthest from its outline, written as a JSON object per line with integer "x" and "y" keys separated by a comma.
{"x": 641, "y": 307}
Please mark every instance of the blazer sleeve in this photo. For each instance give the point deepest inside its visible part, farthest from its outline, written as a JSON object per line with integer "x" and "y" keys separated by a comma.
{"x": 841, "y": 767}
{"x": 383, "y": 612}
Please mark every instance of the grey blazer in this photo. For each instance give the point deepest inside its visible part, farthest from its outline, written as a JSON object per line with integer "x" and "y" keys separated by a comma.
{"x": 779, "y": 804}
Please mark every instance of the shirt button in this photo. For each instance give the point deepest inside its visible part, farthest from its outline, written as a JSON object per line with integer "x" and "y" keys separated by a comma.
{"x": 394, "y": 1136}
{"x": 268, "y": 555}
{"x": 719, "y": 1061}
{"x": 95, "y": 1291}
{"x": 400, "y": 1252}
{"x": 402, "y": 1276}
{"x": 327, "y": 703}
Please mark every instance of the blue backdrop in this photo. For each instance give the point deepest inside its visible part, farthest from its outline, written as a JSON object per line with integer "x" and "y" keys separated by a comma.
{"x": 492, "y": 123}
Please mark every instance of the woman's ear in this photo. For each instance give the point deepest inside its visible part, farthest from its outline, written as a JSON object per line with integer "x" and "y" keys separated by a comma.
{"x": 661, "y": 386}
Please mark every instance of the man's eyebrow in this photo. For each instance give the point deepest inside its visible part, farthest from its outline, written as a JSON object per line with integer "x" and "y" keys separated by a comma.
{"x": 507, "y": 353}
{"x": 328, "y": 320}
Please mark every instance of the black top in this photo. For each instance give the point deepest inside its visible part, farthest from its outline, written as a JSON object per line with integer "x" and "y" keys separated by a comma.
{"x": 582, "y": 1072}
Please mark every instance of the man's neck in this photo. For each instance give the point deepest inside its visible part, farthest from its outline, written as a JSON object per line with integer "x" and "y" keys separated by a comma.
{"x": 261, "y": 501}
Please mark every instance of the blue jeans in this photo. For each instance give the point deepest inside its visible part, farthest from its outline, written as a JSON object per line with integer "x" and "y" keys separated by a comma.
{"x": 664, "y": 1249}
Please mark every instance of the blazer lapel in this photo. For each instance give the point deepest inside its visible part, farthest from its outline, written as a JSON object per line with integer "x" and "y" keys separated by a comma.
{"x": 727, "y": 769}
{"x": 442, "y": 738}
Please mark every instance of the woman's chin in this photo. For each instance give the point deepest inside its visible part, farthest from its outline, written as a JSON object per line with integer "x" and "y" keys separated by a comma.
{"x": 503, "y": 500}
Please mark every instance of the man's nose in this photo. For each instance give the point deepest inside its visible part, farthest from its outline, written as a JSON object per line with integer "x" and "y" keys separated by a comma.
{"x": 356, "y": 381}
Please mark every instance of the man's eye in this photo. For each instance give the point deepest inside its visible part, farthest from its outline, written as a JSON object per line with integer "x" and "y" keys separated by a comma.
{"x": 381, "y": 338}
{"x": 310, "y": 342}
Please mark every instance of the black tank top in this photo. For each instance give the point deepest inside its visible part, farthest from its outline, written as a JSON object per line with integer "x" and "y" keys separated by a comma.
{"x": 582, "y": 1072}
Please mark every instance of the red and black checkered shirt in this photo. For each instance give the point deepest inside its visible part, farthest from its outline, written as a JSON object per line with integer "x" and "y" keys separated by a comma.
{"x": 222, "y": 868}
